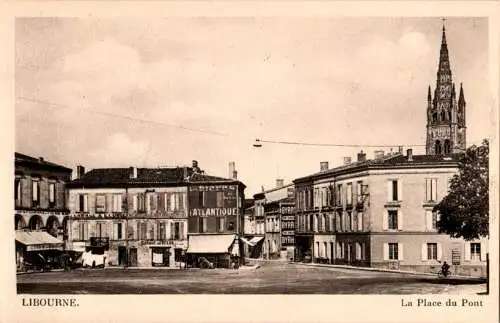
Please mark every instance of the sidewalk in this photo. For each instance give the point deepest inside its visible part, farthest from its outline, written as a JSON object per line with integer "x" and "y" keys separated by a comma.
{"x": 413, "y": 273}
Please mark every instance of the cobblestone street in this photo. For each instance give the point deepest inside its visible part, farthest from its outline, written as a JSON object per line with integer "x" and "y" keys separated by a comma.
{"x": 269, "y": 279}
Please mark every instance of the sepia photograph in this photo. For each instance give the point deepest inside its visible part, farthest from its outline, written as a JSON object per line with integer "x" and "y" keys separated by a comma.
{"x": 253, "y": 155}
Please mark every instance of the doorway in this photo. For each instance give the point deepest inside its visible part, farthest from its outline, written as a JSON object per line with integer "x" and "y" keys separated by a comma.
{"x": 133, "y": 257}
{"x": 122, "y": 256}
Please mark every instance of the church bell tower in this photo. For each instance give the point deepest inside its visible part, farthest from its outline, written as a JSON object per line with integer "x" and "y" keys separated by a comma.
{"x": 445, "y": 115}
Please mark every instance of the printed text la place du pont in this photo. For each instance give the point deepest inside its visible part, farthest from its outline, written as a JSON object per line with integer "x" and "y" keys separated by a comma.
{"x": 424, "y": 302}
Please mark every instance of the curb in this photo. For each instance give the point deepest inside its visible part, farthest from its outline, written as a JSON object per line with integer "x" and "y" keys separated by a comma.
{"x": 416, "y": 273}
{"x": 38, "y": 272}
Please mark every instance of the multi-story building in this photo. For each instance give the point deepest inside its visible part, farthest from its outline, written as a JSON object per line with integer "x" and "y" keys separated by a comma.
{"x": 379, "y": 212}
{"x": 275, "y": 221}
{"x": 41, "y": 215}
{"x": 383, "y": 215}
{"x": 215, "y": 224}
{"x": 136, "y": 216}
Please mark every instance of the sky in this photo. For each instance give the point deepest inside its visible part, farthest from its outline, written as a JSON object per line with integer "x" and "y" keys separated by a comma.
{"x": 205, "y": 88}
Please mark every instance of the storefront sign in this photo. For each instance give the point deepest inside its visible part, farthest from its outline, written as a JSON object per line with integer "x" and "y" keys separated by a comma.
{"x": 217, "y": 212}
{"x": 288, "y": 218}
{"x": 287, "y": 233}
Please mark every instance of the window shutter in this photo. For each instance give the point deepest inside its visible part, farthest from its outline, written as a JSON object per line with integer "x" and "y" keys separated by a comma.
{"x": 400, "y": 190}
{"x": 172, "y": 230}
{"x": 428, "y": 220}
{"x": 92, "y": 229}
{"x": 483, "y": 251}
{"x": 85, "y": 203}
{"x": 75, "y": 231}
{"x": 434, "y": 189}
{"x": 385, "y": 219}
{"x": 386, "y": 251}
{"x": 466, "y": 251}
{"x": 389, "y": 190}
{"x": 181, "y": 229}
{"x": 161, "y": 201}
{"x": 181, "y": 201}
{"x": 134, "y": 202}
{"x": 400, "y": 220}
{"x": 439, "y": 251}
{"x": 400, "y": 252}
{"x": 358, "y": 251}
{"x": 115, "y": 231}
{"x": 424, "y": 252}
{"x": 360, "y": 221}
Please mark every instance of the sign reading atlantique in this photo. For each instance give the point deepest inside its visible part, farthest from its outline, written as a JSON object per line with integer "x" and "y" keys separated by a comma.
{"x": 207, "y": 212}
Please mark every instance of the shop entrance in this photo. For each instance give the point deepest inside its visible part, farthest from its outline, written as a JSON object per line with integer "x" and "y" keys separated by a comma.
{"x": 133, "y": 257}
{"x": 122, "y": 256}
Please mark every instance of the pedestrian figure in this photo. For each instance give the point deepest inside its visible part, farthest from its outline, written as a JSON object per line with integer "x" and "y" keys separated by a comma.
{"x": 445, "y": 269}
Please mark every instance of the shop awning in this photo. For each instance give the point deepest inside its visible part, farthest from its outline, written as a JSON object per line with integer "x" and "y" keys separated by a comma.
{"x": 247, "y": 242}
{"x": 256, "y": 240}
{"x": 213, "y": 243}
{"x": 38, "y": 240}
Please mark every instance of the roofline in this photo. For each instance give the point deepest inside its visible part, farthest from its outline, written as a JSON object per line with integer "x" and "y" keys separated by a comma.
{"x": 78, "y": 184}
{"x": 43, "y": 165}
{"x": 368, "y": 166}
{"x": 124, "y": 185}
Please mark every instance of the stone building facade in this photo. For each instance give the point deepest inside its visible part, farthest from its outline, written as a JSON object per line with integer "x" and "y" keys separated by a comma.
{"x": 39, "y": 203}
{"x": 136, "y": 216}
{"x": 380, "y": 214}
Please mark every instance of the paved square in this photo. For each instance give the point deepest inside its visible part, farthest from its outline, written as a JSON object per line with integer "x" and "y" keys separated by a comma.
{"x": 269, "y": 279}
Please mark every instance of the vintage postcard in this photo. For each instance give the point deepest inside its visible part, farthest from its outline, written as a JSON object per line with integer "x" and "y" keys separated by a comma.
{"x": 274, "y": 162}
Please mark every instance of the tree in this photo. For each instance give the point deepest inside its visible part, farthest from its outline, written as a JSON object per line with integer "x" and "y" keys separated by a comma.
{"x": 464, "y": 211}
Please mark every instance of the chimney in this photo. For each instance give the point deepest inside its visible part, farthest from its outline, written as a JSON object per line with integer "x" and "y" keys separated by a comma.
{"x": 195, "y": 167}
{"x": 232, "y": 169}
{"x": 80, "y": 171}
{"x": 361, "y": 156}
{"x": 323, "y": 166}
{"x": 279, "y": 182}
{"x": 132, "y": 171}
{"x": 400, "y": 150}
{"x": 185, "y": 172}
{"x": 347, "y": 160}
{"x": 409, "y": 153}
{"x": 41, "y": 159}
{"x": 379, "y": 154}
{"x": 235, "y": 175}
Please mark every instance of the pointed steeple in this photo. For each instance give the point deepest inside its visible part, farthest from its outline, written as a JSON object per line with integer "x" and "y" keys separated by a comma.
{"x": 444, "y": 60}
{"x": 429, "y": 96}
{"x": 443, "y": 37}
{"x": 461, "y": 98}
